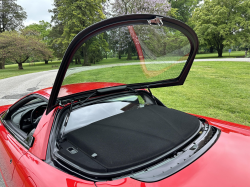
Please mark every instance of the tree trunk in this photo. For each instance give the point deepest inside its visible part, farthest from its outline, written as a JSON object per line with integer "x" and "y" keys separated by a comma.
{"x": 76, "y": 61}
{"x": 119, "y": 55}
{"x": 85, "y": 58}
{"x": 46, "y": 61}
{"x": 164, "y": 49}
{"x": 220, "y": 50}
{"x": 2, "y": 63}
{"x": 20, "y": 66}
{"x": 211, "y": 49}
{"x": 129, "y": 57}
{"x": 79, "y": 60}
{"x": 85, "y": 54}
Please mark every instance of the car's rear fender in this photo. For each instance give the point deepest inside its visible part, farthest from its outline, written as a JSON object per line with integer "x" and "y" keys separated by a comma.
{"x": 226, "y": 125}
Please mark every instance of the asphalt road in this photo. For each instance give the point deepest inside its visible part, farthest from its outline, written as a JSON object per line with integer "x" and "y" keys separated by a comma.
{"x": 14, "y": 88}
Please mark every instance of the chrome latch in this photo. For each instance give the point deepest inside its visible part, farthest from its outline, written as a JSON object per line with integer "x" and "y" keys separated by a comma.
{"x": 157, "y": 20}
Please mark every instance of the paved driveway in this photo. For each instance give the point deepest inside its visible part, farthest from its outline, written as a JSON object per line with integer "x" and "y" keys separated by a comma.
{"x": 14, "y": 88}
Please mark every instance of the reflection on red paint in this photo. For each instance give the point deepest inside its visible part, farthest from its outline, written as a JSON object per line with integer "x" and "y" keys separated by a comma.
{"x": 75, "y": 183}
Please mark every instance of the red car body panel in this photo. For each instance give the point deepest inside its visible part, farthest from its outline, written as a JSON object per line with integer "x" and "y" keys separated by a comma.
{"x": 5, "y": 107}
{"x": 41, "y": 135}
{"x": 226, "y": 163}
{"x": 11, "y": 151}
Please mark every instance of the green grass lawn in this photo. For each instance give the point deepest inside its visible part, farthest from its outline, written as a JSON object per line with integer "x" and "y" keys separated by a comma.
{"x": 216, "y": 89}
{"x": 116, "y": 61}
{"x": 233, "y": 54}
{"x": 127, "y": 74}
{"x": 12, "y": 70}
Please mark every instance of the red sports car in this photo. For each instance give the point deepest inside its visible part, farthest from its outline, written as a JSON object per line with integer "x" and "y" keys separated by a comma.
{"x": 101, "y": 126}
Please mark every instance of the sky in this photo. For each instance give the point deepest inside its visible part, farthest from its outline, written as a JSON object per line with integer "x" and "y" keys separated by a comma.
{"x": 36, "y": 10}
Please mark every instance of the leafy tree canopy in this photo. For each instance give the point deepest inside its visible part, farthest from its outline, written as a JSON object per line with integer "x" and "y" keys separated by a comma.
{"x": 184, "y": 8}
{"x": 122, "y": 7}
{"x": 55, "y": 42}
{"x": 11, "y": 15}
{"x": 71, "y": 17}
{"x": 19, "y": 47}
{"x": 220, "y": 23}
{"x": 43, "y": 28}
{"x": 76, "y": 16}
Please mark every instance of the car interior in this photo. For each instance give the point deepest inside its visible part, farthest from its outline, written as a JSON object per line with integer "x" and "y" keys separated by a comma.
{"x": 27, "y": 115}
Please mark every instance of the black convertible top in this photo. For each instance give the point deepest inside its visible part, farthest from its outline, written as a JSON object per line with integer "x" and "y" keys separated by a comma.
{"x": 128, "y": 139}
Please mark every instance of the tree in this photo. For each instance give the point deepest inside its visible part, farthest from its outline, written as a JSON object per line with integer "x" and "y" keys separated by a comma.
{"x": 11, "y": 15}
{"x": 220, "y": 23}
{"x": 122, "y": 36}
{"x": 19, "y": 47}
{"x": 184, "y": 8}
{"x": 43, "y": 28}
{"x": 56, "y": 38}
{"x": 97, "y": 47}
{"x": 5, "y": 52}
{"x": 56, "y": 33}
{"x": 122, "y": 7}
{"x": 42, "y": 31}
{"x": 75, "y": 16}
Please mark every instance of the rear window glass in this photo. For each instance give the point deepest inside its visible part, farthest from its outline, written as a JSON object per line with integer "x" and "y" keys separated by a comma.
{"x": 129, "y": 55}
{"x": 89, "y": 114}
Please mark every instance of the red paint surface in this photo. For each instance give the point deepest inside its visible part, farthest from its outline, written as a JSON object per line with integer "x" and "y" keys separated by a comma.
{"x": 44, "y": 175}
{"x": 11, "y": 151}
{"x": 3, "y": 108}
{"x": 41, "y": 135}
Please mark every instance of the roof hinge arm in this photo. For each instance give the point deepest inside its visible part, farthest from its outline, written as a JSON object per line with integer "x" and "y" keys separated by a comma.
{"x": 67, "y": 119}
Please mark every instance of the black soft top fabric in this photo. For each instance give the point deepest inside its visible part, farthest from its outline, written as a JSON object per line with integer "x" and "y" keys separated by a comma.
{"x": 133, "y": 137}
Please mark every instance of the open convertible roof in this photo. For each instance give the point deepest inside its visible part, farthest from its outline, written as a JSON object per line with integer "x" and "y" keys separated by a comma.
{"x": 160, "y": 52}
